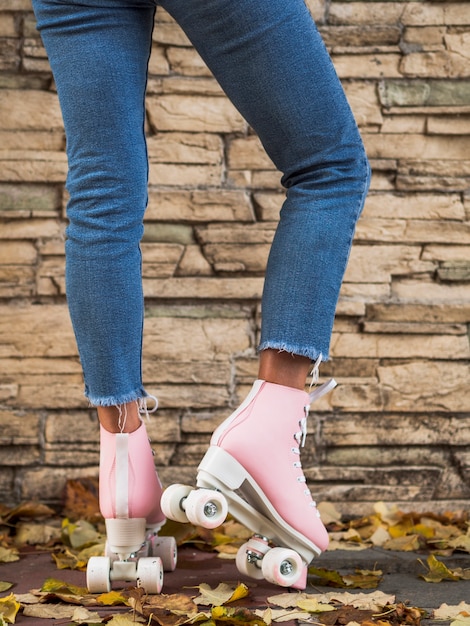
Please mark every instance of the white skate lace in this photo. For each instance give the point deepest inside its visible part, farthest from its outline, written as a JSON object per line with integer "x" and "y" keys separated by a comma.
{"x": 301, "y": 435}
{"x": 143, "y": 406}
{"x": 145, "y": 411}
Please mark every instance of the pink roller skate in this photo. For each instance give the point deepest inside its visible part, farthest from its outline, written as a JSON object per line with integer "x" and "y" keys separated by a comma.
{"x": 130, "y": 493}
{"x": 252, "y": 469}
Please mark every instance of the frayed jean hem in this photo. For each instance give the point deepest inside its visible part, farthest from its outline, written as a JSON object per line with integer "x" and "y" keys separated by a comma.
{"x": 133, "y": 396}
{"x": 311, "y": 353}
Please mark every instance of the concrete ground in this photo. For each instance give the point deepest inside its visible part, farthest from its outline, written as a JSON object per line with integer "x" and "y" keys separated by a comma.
{"x": 400, "y": 577}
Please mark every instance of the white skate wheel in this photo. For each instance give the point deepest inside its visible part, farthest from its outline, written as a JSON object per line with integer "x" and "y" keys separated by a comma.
{"x": 172, "y": 502}
{"x": 98, "y": 574}
{"x": 282, "y": 567}
{"x": 206, "y": 507}
{"x": 150, "y": 574}
{"x": 247, "y": 567}
{"x": 165, "y": 548}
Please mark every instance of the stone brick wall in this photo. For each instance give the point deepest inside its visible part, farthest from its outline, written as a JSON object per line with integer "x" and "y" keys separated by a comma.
{"x": 398, "y": 426}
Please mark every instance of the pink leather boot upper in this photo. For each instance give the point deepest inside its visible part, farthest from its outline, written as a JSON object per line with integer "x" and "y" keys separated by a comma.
{"x": 129, "y": 485}
{"x": 265, "y": 435}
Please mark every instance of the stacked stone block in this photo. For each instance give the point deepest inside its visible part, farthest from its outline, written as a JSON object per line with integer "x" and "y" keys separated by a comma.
{"x": 397, "y": 428}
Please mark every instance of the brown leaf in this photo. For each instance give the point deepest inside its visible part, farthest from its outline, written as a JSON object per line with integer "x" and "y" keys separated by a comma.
{"x": 33, "y": 510}
{"x": 82, "y": 500}
{"x": 344, "y": 615}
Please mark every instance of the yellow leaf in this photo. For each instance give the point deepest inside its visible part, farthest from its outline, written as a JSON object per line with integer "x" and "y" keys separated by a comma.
{"x": 125, "y": 620}
{"x": 401, "y": 529}
{"x": 363, "y": 579}
{"x": 111, "y": 598}
{"x": 52, "y": 585}
{"x": 424, "y": 530}
{"x": 327, "y": 577}
{"x": 222, "y": 594}
{"x": 65, "y": 559}
{"x": 236, "y": 616}
{"x": 438, "y": 571}
{"x": 4, "y": 586}
{"x": 8, "y": 555}
{"x": 359, "y": 580}
{"x": 314, "y": 606}
{"x": 9, "y": 607}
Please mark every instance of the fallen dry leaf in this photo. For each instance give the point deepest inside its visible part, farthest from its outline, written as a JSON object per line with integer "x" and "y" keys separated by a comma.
{"x": 53, "y": 585}
{"x": 359, "y": 580}
{"x": 374, "y": 600}
{"x": 281, "y": 615}
{"x": 221, "y": 595}
{"x": 237, "y": 615}
{"x": 9, "y": 607}
{"x": 50, "y": 611}
{"x": 438, "y": 571}
{"x": 8, "y": 555}
{"x": 81, "y": 615}
{"x": 125, "y": 620}
{"x": 80, "y": 534}
{"x": 344, "y": 615}
{"x": 31, "y": 510}
{"x": 178, "y": 602}
{"x": 34, "y": 534}
{"x": 82, "y": 500}
{"x": 404, "y": 543}
{"x": 446, "y": 611}
{"x": 112, "y": 598}
{"x": 312, "y": 605}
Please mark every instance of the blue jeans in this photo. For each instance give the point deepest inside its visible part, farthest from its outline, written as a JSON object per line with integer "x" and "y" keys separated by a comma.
{"x": 270, "y": 60}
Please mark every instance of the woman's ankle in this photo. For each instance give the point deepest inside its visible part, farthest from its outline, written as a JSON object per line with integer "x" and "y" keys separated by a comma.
{"x": 284, "y": 368}
{"x": 123, "y": 418}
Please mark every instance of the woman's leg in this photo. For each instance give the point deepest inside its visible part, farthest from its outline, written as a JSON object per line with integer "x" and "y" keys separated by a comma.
{"x": 269, "y": 58}
{"x": 98, "y": 51}
{"x": 99, "y": 54}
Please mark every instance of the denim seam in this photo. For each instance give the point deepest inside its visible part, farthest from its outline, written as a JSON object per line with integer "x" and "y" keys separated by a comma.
{"x": 281, "y": 346}
{"x": 116, "y": 400}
